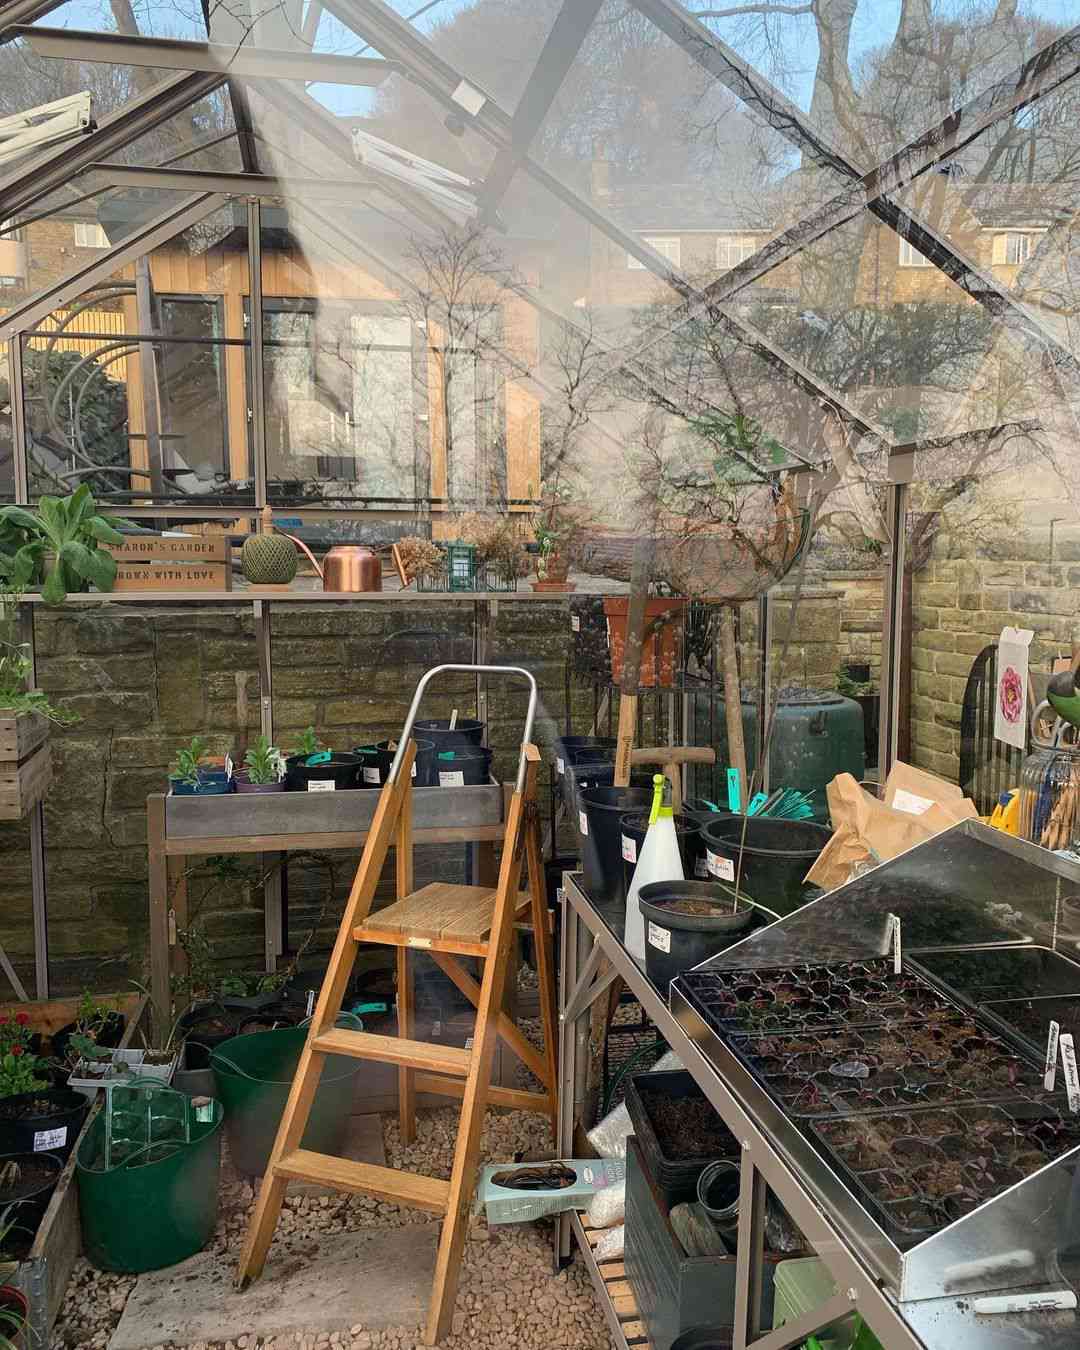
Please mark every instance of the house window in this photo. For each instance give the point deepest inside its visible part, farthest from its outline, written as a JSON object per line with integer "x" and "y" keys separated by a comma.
{"x": 732, "y": 249}
{"x": 669, "y": 246}
{"x": 911, "y": 257}
{"x": 89, "y": 234}
{"x": 1018, "y": 248}
{"x": 192, "y": 385}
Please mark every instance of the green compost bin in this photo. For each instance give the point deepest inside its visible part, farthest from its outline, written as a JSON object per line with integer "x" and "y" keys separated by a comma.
{"x": 254, "y": 1074}
{"x": 156, "y": 1207}
{"x": 818, "y": 734}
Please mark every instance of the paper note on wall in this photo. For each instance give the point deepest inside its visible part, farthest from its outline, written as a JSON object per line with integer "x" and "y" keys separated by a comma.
{"x": 1011, "y": 696}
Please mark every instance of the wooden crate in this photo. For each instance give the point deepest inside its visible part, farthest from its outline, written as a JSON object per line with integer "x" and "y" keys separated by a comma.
{"x": 168, "y": 562}
{"x": 20, "y": 735}
{"x": 23, "y": 785}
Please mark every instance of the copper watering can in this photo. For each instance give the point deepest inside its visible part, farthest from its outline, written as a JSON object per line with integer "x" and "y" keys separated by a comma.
{"x": 347, "y": 567}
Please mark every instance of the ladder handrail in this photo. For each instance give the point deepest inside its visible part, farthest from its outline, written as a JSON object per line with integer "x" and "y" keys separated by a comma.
{"x": 414, "y": 708}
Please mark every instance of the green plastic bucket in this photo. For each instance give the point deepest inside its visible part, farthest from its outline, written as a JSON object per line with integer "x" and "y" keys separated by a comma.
{"x": 254, "y": 1074}
{"x": 158, "y": 1207}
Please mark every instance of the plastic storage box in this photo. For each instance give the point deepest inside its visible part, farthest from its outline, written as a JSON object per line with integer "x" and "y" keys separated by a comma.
{"x": 673, "y": 1291}
{"x": 676, "y": 1179}
{"x": 803, "y": 1284}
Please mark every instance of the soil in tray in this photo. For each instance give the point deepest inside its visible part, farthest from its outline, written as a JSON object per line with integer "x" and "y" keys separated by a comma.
{"x": 29, "y": 1110}
{"x": 687, "y": 1128}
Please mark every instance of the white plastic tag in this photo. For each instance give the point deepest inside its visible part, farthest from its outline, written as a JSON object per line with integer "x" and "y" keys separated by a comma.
{"x": 310, "y": 1002}
{"x": 911, "y": 802}
{"x": 660, "y": 938}
{"x": 412, "y": 773}
{"x": 228, "y": 766}
{"x": 559, "y": 765}
{"x": 894, "y": 937}
{"x": 372, "y": 775}
{"x": 44, "y": 1140}
{"x": 451, "y": 778}
{"x": 583, "y": 822}
{"x": 1050, "y": 1074}
{"x": 575, "y": 623}
{"x": 629, "y": 849}
{"x": 1068, "y": 1063}
{"x": 720, "y": 867}
{"x": 701, "y": 869}
{"x": 321, "y": 785}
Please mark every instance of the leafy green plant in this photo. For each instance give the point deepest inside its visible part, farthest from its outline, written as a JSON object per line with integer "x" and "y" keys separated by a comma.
{"x": 185, "y": 767}
{"x": 16, "y": 665}
{"x": 853, "y": 688}
{"x": 91, "y": 1018}
{"x": 308, "y": 743}
{"x": 263, "y": 762}
{"x": 70, "y": 530}
{"x": 20, "y": 1069}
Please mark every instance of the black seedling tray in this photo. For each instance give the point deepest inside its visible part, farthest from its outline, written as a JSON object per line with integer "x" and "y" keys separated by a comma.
{"x": 945, "y": 1062}
{"x": 998, "y": 973}
{"x": 1028, "y": 1019}
{"x": 916, "y": 1172}
{"x": 676, "y": 1177}
{"x": 814, "y": 997}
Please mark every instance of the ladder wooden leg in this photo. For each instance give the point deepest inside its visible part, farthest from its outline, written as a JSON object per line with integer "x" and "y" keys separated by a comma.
{"x": 406, "y": 1028}
{"x": 294, "y": 1118}
{"x": 467, "y": 1151}
{"x": 545, "y": 966}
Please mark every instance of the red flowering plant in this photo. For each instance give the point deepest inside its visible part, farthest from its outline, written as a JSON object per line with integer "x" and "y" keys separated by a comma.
{"x": 20, "y": 1069}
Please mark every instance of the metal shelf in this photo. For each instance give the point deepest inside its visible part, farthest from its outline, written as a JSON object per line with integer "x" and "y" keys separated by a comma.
{"x": 589, "y": 933}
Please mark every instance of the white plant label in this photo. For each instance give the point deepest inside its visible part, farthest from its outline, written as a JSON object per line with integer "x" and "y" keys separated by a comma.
{"x": 310, "y": 1002}
{"x": 44, "y": 1140}
{"x": 372, "y": 775}
{"x": 897, "y": 950}
{"x": 412, "y": 774}
{"x": 451, "y": 778}
{"x": 1050, "y": 1075}
{"x": 701, "y": 869}
{"x": 911, "y": 802}
{"x": 720, "y": 867}
{"x": 228, "y": 766}
{"x": 322, "y": 785}
{"x": 1068, "y": 1063}
{"x": 629, "y": 849}
{"x": 583, "y": 822}
{"x": 660, "y": 938}
{"x": 559, "y": 765}
{"x": 575, "y": 623}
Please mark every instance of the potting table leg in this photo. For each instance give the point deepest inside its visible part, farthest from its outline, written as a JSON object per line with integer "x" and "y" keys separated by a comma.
{"x": 570, "y": 968}
{"x": 406, "y": 1029}
{"x": 158, "y": 870}
{"x": 750, "y": 1256}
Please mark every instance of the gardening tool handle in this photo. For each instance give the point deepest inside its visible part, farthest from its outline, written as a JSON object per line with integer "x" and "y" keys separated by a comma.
{"x": 673, "y": 754}
{"x": 503, "y": 672}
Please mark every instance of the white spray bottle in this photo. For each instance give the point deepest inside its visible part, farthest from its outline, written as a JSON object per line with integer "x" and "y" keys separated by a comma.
{"x": 659, "y": 861}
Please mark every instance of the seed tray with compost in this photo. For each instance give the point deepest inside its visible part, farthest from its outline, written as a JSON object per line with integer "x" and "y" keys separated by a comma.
{"x": 814, "y": 997}
{"x": 1030, "y": 1018}
{"x": 918, "y": 1171}
{"x": 998, "y": 973}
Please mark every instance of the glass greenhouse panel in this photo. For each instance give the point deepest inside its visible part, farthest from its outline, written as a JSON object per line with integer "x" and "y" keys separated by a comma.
{"x": 7, "y": 441}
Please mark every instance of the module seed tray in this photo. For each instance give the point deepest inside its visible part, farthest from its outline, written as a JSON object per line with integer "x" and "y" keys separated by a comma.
{"x": 814, "y": 997}
{"x": 918, "y": 1171}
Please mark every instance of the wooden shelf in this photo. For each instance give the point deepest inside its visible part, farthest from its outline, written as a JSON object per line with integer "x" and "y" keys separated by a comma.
{"x": 612, "y": 1288}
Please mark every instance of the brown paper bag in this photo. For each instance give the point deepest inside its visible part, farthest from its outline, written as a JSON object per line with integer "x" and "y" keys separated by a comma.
{"x": 870, "y": 831}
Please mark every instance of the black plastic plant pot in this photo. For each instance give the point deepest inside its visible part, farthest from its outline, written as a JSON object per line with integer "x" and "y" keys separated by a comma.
{"x": 776, "y": 857}
{"x": 675, "y": 941}
{"x": 342, "y": 770}
{"x": 632, "y": 831}
{"x": 468, "y": 764}
{"x": 599, "y": 811}
{"x": 424, "y": 771}
{"x": 27, "y": 1181}
{"x": 589, "y": 774}
{"x": 368, "y": 773}
{"x": 42, "y": 1122}
{"x": 209, "y": 1024}
{"x": 109, "y": 1037}
{"x": 467, "y": 731}
{"x": 573, "y": 750}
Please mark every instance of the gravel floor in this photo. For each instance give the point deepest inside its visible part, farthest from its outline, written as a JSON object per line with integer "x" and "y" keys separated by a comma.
{"x": 508, "y": 1297}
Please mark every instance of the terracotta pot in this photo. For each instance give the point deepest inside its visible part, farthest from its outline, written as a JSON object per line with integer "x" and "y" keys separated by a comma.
{"x": 660, "y": 650}
{"x": 555, "y": 566}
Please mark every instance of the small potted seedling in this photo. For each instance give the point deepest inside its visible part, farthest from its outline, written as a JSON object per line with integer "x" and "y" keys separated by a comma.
{"x": 88, "y": 1047}
{"x": 190, "y": 774}
{"x": 313, "y": 767}
{"x": 263, "y": 768}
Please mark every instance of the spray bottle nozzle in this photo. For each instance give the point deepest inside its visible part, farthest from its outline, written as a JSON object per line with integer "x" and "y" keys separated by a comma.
{"x": 659, "y": 782}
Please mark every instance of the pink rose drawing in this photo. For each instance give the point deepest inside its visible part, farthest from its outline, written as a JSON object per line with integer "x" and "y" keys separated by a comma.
{"x": 1011, "y": 695}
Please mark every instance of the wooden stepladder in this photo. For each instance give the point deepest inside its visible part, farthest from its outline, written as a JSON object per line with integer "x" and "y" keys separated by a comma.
{"x": 447, "y": 922}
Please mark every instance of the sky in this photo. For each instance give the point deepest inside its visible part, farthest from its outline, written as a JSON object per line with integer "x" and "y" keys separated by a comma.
{"x": 874, "y": 26}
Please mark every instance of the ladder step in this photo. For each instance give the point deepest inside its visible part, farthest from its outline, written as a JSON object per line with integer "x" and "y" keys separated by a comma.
{"x": 385, "y": 1183}
{"x": 394, "y": 1050}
